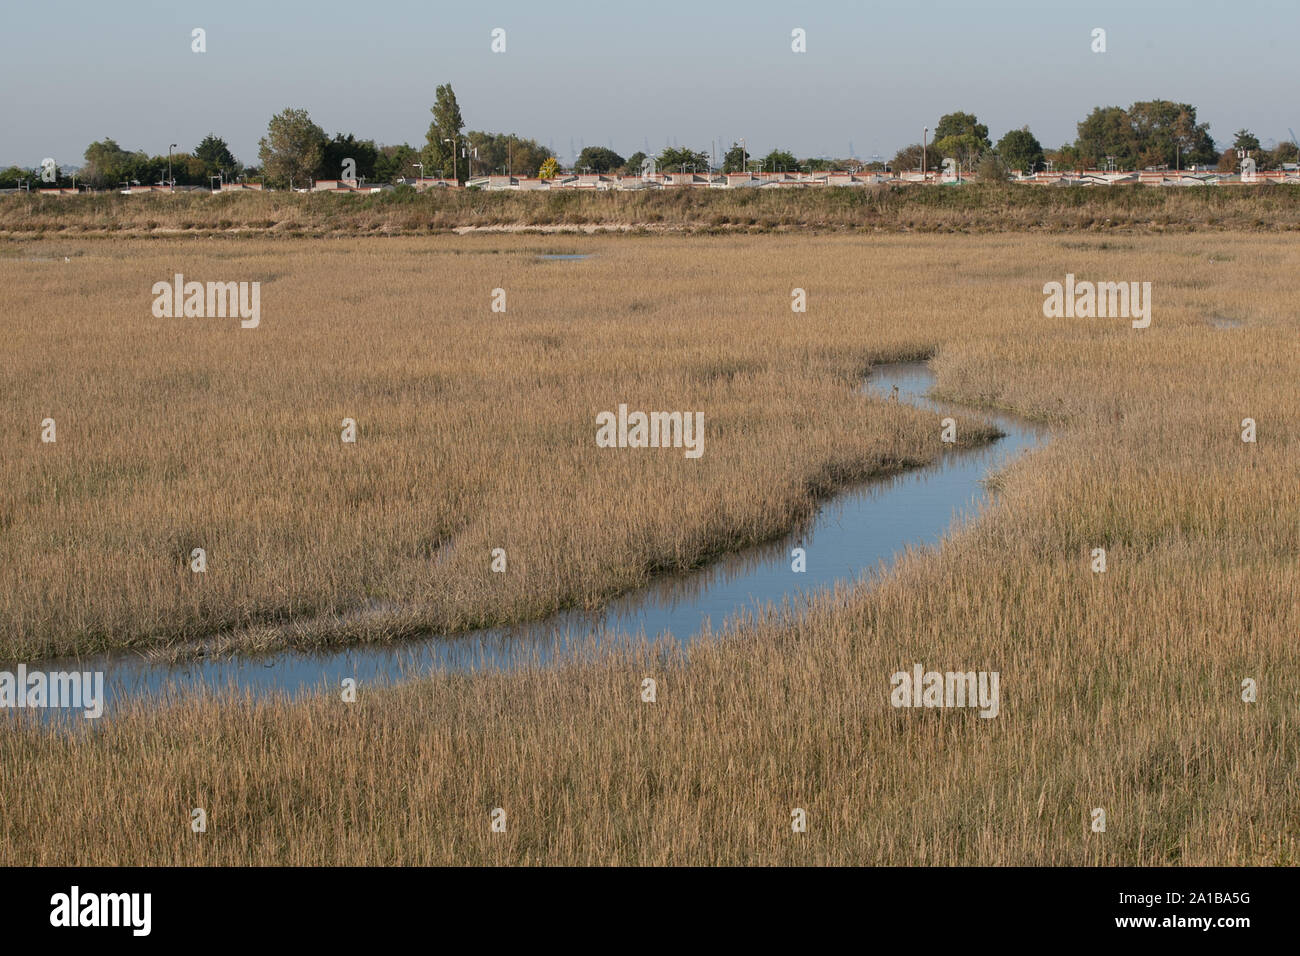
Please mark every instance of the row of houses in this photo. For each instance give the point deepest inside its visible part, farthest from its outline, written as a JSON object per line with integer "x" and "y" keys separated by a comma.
{"x": 778, "y": 180}
{"x": 138, "y": 189}
{"x": 609, "y": 181}
{"x": 750, "y": 180}
{"x": 1161, "y": 177}
{"x": 670, "y": 180}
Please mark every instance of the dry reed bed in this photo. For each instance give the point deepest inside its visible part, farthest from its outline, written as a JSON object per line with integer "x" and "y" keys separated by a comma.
{"x": 970, "y": 208}
{"x": 1119, "y": 691}
{"x": 476, "y": 431}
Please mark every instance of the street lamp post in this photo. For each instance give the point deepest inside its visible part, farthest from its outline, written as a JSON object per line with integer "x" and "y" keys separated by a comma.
{"x": 420, "y": 166}
{"x": 925, "y": 132}
{"x": 453, "y": 158}
{"x": 170, "y": 182}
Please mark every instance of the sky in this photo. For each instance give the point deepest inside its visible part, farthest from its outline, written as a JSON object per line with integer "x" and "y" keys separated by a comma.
{"x": 632, "y": 75}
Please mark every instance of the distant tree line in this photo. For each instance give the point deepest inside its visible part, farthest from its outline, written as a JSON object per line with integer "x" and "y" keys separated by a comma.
{"x": 1151, "y": 134}
{"x": 295, "y": 151}
{"x": 108, "y": 164}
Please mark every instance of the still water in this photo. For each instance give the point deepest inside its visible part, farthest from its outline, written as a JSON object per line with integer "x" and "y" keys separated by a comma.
{"x": 855, "y": 533}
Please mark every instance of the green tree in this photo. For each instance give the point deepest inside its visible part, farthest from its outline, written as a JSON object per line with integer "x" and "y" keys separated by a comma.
{"x": 1245, "y": 139}
{"x": 672, "y": 159}
{"x": 1107, "y": 131}
{"x": 966, "y": 148}
{"x": 1167, "y": 133}
{"x": 820, "y": 164}
{"x": 526, "y": 156}
{"x": 395, "y": 162}
{"x": 292, "y": 149}
{"x": 186, "y": 169}
{"x": 908, "y": 159}
{"x": 1148, "y": 133}
{"x": 780, "y": 160}
{"x": 217, "y": 157}
{"x": 598, "y": 159}
{"x": 1020, "y": 149}
{"x": 15, "y": 176}
{"x": 341, "y": 148}
{"x": 962, "y": 124}
{"x": 12, "y": 177}
{"x": 633, "y": 163}
{"x": 445, "y": 136}
{"x": 733, "y": 161}
{"x": 1285, "y": 152}
{"x": 1066, "y": 157}
{"x": 993, "y": 169}
{"x": 505, "y": 152}
{"x": 108, "y": 164}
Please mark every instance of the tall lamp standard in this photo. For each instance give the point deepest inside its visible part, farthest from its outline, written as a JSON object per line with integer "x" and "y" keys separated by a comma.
{"x": 925, "y": 132}
{"x": 453, "y": 158}
{"x": 420, "y": 166}
{"x": 170, "y": 182}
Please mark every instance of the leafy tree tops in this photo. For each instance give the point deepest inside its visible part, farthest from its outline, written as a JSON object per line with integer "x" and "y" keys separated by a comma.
{"x": 216, "y": 156}
{"x": 1151, "y": 133}
{"x": 443, "y": 140}
{"x": 673, "y": 159}
{"x": 962, "y": 124}
{"x": 598, "y": 159}
{"x": 293, "y": 149}
{"x": 1020, "y": 149}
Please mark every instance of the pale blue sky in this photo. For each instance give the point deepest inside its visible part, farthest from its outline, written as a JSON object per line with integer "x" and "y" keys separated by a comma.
{"x": 631, "y": 74}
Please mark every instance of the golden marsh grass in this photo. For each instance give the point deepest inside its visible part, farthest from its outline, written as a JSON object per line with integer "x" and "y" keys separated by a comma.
{"x": 1119, "y": 690}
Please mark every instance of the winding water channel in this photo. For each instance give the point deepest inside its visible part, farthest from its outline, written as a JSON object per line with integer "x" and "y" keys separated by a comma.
{"x": 855, "y": 533}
